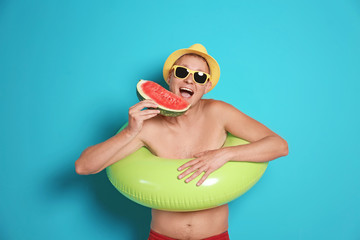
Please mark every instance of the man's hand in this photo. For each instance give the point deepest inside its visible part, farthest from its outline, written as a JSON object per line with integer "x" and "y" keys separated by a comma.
{"x": 137, "y": 115}
{"x": 207, "y": 162}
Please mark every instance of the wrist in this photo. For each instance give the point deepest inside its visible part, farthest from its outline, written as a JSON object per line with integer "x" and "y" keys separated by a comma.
{"x": 129, "y": 133}
{"x": 228, "y": 153}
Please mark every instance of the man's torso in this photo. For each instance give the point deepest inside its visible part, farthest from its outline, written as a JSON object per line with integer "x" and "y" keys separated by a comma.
{"x": 200, "y": 132}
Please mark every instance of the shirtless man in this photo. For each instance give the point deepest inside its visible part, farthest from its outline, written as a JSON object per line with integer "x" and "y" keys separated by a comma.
{"x": 199, "y": 133}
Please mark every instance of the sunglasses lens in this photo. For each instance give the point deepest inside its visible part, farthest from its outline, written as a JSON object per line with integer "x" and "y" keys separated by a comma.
{"x": 181, "y": 72}
{"x": 200, "y": 77}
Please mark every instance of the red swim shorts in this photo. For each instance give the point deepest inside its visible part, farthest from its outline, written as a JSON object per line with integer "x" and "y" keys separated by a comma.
{"x": 157, "y": 236}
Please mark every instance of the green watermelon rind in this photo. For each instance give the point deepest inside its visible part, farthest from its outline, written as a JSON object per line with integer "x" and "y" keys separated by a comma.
{"x": 163, "y": 110}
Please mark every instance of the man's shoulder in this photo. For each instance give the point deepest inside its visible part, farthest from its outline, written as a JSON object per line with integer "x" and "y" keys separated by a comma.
{"x": 216, "y": 105}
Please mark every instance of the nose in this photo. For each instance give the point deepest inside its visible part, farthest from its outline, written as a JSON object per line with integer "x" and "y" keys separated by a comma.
{"x": 188, "y": 79}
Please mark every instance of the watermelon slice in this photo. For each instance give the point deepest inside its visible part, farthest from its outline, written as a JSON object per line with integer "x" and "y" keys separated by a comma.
{"x": 170, "y": 104}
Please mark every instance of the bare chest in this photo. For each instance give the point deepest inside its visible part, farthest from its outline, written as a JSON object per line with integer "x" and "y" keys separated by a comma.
{"x": 184, "y": 143}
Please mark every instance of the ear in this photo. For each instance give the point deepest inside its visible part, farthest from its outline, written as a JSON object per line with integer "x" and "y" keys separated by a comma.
{"x": 169, "y": 77}
{"x": 208, "y": 86}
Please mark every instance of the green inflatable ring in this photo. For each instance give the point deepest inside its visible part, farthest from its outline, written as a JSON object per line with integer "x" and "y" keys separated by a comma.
{"x": 152, "y": 181}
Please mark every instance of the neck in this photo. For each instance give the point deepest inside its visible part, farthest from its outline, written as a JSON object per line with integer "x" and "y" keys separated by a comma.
{"x": 188, "y": 116}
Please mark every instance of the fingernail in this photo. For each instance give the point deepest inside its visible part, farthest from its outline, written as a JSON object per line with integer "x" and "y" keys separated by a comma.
{"x": 187, "y": 180}
{"x": 180, "y": 176}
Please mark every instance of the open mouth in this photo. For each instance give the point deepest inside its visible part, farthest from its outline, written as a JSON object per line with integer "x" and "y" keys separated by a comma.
{"x": 186, "y": 92}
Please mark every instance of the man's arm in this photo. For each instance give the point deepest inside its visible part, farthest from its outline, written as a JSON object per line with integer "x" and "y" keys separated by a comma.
{"x": 265, "y": 145}
{"x": 95, "y": 158}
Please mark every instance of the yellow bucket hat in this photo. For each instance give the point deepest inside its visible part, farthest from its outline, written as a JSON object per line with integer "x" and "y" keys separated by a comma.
{"x": 199, "y": 50}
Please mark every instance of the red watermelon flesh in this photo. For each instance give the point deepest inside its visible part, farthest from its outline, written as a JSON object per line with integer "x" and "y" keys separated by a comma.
{"x": 171, "y": 104}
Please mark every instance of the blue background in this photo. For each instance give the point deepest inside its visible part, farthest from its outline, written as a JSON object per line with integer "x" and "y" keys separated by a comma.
{"x": 68, "y": 71}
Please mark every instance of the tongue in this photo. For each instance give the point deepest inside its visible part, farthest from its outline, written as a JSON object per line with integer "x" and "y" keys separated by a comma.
{"x": 185, "y": 94}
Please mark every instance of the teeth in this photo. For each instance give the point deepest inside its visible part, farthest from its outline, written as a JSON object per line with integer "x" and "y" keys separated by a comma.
{"x": 186, "y": 89}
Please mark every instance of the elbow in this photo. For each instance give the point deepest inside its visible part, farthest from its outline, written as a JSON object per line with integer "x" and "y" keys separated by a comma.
{"x": 281, "y": 148}
{"x": 82, "y": 166}
{"x": 84, "y": 169}
{"x": 285, "y": 148}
